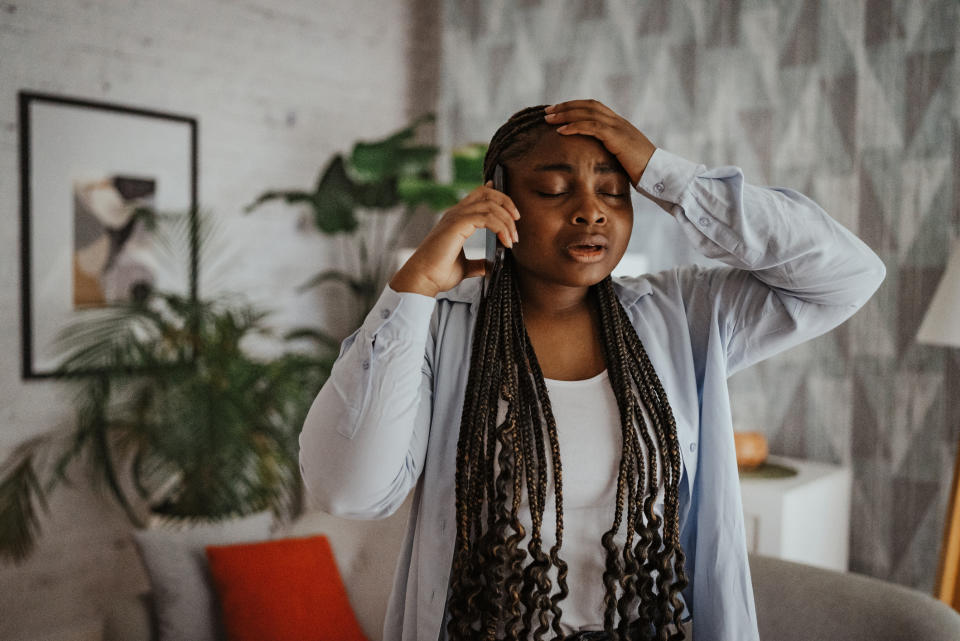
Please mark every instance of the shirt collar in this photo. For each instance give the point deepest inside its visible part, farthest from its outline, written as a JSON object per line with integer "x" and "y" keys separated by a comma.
{"x": 629, "y": 290}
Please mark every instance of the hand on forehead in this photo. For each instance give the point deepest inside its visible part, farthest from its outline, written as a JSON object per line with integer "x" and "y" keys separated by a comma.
{"x": 592, "y": 118}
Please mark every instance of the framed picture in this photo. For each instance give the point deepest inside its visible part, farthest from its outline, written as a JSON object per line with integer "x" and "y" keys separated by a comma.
{"x": 87, "y": 172}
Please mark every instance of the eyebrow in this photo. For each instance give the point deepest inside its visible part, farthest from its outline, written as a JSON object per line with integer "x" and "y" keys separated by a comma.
{"x": 601, "y": 168}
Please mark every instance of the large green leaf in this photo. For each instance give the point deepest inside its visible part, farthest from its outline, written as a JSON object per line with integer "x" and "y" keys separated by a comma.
{"x": 468, "y": 163}
{"x": 373, "y": 161}
{"x": 333, "y": 202}
{"x": 417, "y": 160}
{"x": 437, "y": 196}
{"x": 377, "y": 195}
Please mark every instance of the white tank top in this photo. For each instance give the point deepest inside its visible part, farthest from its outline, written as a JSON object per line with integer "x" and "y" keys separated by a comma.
{"x": 589, "y": 434}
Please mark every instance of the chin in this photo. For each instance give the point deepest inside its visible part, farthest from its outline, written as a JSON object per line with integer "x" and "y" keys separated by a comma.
{"x": 587, "y": 277}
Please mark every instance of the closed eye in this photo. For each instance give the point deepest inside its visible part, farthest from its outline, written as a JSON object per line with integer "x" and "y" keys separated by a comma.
{"x": 547, "y": 194}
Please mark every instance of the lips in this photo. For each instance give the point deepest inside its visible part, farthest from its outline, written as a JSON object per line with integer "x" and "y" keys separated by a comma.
{"x": 593, "y": 241}
{"x": 587, "y": 249}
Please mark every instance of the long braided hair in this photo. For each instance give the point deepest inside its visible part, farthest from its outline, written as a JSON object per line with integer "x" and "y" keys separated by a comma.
{"x": 495, "y": 591}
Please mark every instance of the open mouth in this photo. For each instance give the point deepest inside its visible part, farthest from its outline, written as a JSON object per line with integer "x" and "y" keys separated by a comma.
{"x": 585, "y": 252}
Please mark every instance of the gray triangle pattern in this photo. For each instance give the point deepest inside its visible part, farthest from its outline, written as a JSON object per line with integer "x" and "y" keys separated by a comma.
{"x": 855, "y": 102}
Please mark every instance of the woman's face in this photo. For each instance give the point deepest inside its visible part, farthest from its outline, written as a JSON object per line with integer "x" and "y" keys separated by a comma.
{"x": 575, "y": 210}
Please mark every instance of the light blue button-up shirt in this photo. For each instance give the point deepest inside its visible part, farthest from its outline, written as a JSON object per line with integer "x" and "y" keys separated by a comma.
{"x": 387, "y": 420}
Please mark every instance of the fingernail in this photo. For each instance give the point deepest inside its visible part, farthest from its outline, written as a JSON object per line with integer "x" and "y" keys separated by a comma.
{"x": 516, "y": 237}
{"x": 550, "y": 108}
{"x": 489, "y": 183}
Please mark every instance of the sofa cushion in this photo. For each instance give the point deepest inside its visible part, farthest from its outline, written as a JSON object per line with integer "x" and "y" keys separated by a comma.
{"x": 183, "y": 600}
{"x": 280, "y": 590}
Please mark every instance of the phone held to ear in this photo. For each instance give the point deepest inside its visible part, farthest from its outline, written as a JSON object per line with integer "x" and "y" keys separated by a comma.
{"x": 494, "y": 248}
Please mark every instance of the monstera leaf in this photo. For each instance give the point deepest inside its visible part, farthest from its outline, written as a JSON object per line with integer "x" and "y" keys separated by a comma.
{"x": 334, "y": 201}
{"x": 393, "y": 156}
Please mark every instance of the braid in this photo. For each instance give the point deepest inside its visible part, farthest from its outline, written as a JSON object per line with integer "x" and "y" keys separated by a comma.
{"x": 513, "y": 139}
{"x": 508, "y": 450}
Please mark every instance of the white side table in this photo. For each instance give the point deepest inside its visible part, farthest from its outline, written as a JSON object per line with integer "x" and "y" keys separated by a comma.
{"x": 803, "y": 518}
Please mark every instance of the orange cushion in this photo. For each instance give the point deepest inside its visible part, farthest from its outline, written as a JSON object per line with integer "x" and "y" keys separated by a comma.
{"x": 282, "y": 590}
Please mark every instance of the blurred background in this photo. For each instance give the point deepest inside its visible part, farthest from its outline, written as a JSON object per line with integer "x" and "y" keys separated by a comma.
{"x": 854, "y": 103}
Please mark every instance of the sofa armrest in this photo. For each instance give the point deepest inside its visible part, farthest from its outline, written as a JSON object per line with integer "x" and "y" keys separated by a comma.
{"x": 797, "y": 602}
{"x": 131, "y": 619}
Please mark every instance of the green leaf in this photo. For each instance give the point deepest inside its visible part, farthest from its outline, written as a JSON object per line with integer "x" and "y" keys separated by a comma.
{"x": 437, "y": 196}
{"x": 416, "y": 161}
{"x": 333, "y": 203}
{"x": 383, "y": 159}
{"x": 468, "y": 164}
{"x": 378, "y": 195}
{"x": 289, "y": 197}
{"x": 19, "y": 522}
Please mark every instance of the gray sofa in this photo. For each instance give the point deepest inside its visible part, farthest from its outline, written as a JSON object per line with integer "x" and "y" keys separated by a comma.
{"x": 798, "y": 602}
{"x": 795, "y": 602}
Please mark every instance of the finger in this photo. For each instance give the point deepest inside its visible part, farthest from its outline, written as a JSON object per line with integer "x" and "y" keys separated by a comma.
{"x": 487, "y": 215}
{"x": 502, "y": 200}
{"x": 574, "y": 115}
{"x": 477, "y": 193}
{"x": 593, "y": 128}
{"x": 591, "y": 105}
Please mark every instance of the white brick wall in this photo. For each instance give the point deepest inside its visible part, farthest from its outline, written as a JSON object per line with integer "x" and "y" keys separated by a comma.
{"x": 277, "y": 86}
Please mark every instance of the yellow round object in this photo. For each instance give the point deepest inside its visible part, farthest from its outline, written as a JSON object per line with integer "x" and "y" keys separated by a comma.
{"x": 752, "y": 449}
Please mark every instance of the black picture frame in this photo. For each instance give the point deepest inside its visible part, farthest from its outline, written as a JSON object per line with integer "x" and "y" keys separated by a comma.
{"x": 137, "y": 154}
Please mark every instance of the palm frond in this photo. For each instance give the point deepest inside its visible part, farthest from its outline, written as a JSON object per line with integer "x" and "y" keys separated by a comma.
{"x": 20, "y": 492}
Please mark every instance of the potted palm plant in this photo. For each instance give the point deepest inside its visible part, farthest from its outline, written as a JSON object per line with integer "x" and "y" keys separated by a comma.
{"x": 172, "y": 415}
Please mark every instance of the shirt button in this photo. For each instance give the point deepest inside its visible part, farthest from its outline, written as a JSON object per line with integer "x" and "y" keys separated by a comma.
{"x": 384, "y": 314}
{"x": 658, "y": 188}
{"x": 693, "y": 447}
{"x": 365, "y": 364}
{"x": 704, "y": 221}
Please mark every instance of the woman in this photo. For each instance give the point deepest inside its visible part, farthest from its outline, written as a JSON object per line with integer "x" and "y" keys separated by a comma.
{"x": 591, "y": 489}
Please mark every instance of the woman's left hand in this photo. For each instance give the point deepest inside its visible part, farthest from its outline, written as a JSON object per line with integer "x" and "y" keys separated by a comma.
{"x": 618, "y": 135}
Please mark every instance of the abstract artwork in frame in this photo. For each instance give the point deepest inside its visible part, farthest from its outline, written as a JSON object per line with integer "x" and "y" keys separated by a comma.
{"x": 88, "y": 172}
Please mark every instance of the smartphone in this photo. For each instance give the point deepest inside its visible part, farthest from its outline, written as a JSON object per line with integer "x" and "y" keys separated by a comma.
{"x": 494, "y": 248}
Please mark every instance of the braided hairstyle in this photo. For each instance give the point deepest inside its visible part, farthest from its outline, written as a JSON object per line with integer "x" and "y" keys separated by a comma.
{"x": 495, "y": 591}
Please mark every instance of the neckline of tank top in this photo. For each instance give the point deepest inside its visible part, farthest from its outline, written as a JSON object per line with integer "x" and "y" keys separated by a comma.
{"x": 553, "y": 382}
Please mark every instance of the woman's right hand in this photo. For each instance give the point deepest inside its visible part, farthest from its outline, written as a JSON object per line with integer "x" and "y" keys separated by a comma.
{"x": 439, "y": 263}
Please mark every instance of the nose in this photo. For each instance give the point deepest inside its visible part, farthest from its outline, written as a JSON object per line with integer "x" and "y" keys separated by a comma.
{"x": 589, "y": 211}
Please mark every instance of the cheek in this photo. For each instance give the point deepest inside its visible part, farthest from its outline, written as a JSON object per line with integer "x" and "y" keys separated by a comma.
{"x": 528, "y": 251}
{"x": 532, "y": 229}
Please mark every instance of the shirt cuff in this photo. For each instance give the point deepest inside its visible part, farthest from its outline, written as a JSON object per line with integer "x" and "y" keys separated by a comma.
{"x": 667, "y": 176}
{"x": 400, "y": 313}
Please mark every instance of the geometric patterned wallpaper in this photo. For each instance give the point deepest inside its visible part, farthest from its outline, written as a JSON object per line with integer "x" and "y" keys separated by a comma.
{"x": 853, "y": 102}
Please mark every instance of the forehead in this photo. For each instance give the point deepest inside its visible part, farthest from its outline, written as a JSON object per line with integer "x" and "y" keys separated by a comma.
{"x": 575, "y": 150}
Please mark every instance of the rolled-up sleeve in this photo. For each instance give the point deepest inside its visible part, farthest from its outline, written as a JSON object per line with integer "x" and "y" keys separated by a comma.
{"x": 364, "y": 439}
{"x": 795, "y": 272}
